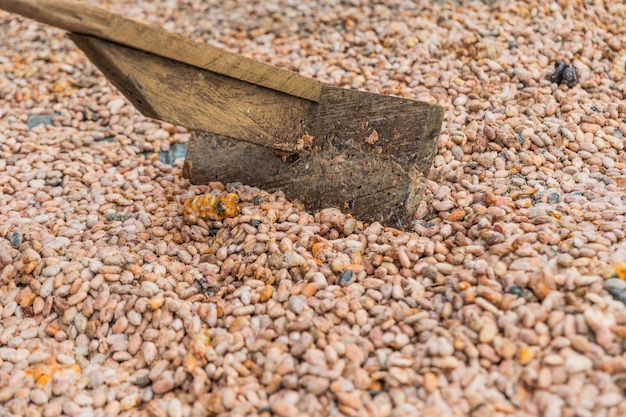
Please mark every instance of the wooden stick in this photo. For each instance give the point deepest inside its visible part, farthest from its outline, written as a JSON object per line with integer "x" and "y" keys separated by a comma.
{"x": 198, "y": 99}
{"x": 74, "y": 16}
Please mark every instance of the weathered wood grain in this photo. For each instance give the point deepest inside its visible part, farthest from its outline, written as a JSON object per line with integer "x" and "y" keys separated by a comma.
{"x": 344, "y": 167}
{"x": 200, "y": 99}
{"x": 365, "y": 153}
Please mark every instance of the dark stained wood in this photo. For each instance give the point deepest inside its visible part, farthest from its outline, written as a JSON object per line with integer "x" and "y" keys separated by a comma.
{"x": 379, "y": 181}
{"x": 376, "y": 190}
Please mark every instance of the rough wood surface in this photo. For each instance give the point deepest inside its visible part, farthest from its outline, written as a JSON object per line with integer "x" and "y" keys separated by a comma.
{"x": 200, "y": 99}
{"x": 74, "y": 16}
{"x": 344, "y": 167}
{"x": 365, "y": 153}
{"x": 376, "y": 189}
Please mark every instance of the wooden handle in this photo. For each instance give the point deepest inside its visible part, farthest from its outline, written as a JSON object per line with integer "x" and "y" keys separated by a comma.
{"x": 74, "y": 16}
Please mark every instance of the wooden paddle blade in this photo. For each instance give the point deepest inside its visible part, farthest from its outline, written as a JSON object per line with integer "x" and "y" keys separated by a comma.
{"x": 365, "y": 153}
